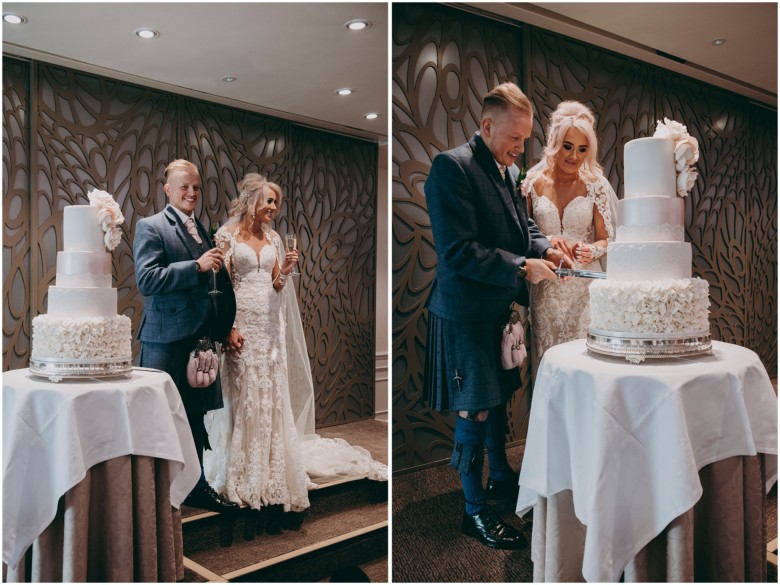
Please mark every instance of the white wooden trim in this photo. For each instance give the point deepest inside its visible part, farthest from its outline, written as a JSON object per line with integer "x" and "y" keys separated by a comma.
{"x": 203, "y": 571}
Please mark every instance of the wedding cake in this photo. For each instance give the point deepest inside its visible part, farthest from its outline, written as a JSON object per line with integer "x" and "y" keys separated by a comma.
{"x": 82, "y": 335}
{"x": 649, "y": 305}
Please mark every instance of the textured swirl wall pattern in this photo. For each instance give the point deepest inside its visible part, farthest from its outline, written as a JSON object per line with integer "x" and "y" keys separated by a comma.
{"x": 65, "y": 132}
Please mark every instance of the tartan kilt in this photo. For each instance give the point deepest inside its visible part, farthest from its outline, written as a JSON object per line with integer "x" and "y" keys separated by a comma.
{"x": 470, "y": 351}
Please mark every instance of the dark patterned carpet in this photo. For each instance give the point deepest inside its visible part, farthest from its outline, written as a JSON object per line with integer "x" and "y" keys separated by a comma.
{"x": 429, "y": 547}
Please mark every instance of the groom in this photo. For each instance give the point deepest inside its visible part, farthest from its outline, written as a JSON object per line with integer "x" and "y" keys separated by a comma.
{"x": 174, "y": 260}
{"x": 488, "y": 250}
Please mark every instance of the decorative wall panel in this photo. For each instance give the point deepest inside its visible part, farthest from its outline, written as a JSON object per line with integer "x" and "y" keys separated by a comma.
{"x": 98, "y": 133}
{"x": 95, "y": 132}
{"x": 332, "y": 206}
{"x": 731, "y": 215}
{"x": 618, "y": 90}
{"x": 16, "y": 213}
{"x": 761, "y": 238}
{"x": 444, "y": 61}
{"x": 226, "y": 144}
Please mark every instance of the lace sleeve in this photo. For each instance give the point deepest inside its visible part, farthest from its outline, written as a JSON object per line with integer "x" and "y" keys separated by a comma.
{"x": 276, "y": 240}
{"x": 526, "y": 186}
{"x": 606, "y": 202}
{"x": 225, "y": 240}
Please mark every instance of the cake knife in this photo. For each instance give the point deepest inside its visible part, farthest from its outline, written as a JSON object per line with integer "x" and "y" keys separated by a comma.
{"x": 580, "y": 273}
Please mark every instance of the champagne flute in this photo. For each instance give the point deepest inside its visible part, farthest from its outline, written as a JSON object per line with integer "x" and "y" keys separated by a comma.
{"x": 291, "y": 242}
{"x": 214, "y": 292}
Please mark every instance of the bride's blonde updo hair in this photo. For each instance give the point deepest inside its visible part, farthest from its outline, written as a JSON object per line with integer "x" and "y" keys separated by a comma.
{"x": 251, "y": 190}
{"x": 571, "y": 114}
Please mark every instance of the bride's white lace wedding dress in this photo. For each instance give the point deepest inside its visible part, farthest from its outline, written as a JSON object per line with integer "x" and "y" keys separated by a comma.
{"x": 263, "y": 447}
{"x": 560, "y": 310}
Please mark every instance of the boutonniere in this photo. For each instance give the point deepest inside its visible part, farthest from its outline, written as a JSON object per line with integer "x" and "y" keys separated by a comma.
{"x": 213, "y": 231}
{"x": 520, "y": 179}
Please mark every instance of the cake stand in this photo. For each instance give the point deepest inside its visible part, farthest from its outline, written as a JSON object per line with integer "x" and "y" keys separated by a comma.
{"x": 636, "y": 347}
{"x": 56, "y": 369}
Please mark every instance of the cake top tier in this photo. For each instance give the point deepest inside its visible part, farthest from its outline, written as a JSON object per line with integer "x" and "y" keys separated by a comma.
{"x": 649, "y": 168}
{"x": 661, "y": 165}
{"x": 82, "y": 231}
{"x": 93, "y": 227}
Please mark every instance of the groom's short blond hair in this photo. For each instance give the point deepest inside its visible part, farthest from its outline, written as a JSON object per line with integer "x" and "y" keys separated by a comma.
{"x": 505, "y": 96}
{"x": 180, "y": 165}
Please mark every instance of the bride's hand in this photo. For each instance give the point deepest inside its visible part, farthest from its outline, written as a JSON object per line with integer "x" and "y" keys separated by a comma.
{"x": 562, "y": 244}
{"x": 583, "y": 253}
{"x": 234, "y": 341}
{"x": 290, "y": 260}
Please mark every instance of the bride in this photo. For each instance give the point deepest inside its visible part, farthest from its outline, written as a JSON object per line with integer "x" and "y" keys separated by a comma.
{"x": 264, "y": 452}
{"x": 574, "y": 205}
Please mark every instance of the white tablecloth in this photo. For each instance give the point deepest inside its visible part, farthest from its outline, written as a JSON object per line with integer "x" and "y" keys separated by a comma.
{"x": 629, "y": 440}
{"x": 53, "y": 433}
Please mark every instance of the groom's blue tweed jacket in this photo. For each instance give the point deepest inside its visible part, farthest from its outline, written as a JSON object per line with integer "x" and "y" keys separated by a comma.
{"x": 482, "y": 233}
{"x": 176, "y": 299}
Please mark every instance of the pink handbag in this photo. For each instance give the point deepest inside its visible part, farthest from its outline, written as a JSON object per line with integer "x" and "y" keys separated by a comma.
{"x": 513, "y": 352}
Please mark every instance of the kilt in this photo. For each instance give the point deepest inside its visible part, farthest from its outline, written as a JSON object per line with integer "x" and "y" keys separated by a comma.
{"x": 463, "y": 365}
{"x": 172, "y": 358}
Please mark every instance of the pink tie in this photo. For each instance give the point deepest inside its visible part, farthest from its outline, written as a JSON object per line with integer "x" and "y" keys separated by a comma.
{"x": 192, "y": 228}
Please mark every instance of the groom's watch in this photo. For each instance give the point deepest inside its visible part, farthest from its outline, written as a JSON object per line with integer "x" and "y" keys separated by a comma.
{"x": 521, "y": 270}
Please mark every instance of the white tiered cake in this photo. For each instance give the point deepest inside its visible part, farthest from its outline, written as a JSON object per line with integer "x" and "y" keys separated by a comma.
{"x": 649, "y": 305}
{"x": 82, "y": 335}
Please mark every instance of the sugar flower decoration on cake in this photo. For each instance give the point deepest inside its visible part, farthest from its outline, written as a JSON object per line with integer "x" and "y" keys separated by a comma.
{"x": 109, "y": 216}
{"x": 686, "y": 153}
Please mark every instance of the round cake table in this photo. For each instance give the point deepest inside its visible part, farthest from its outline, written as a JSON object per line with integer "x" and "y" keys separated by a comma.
{"x": 94, "y": 472}
{"x": 618, "y": 448}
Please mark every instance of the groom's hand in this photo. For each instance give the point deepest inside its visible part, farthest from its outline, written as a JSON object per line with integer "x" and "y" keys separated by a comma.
{"x": 537, "y": 270}
{"x": 556, "y": 256}
{"x": 211, "y": 260}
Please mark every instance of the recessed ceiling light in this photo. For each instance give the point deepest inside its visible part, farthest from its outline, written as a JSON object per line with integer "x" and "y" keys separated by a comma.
{"x": 718, "y": 42}
{"x": 147, "y": 33}
{"x": 229, "y": 78}
{"x": 371, "y": 116}
{"x": 14, "y": 18}
{"x": 345, "y": 91}
{"x": 358, "y": 24}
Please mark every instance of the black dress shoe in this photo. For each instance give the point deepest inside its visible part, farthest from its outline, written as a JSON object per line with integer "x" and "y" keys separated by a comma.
{"x": 207, "y": 499}
{"x": 503, "y": 489}
{"x": 488, "y": 528}
{"x": 273, "y": 519}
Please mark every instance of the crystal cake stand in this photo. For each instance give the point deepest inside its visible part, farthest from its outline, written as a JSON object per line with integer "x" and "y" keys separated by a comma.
{"x": 636, "y": 347}
{"x": 56, "y": 369}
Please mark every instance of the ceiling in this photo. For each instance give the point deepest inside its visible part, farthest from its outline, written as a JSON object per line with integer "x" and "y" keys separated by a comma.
{"x": 746, "y": 63}
{"x": 289, "y": 58}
